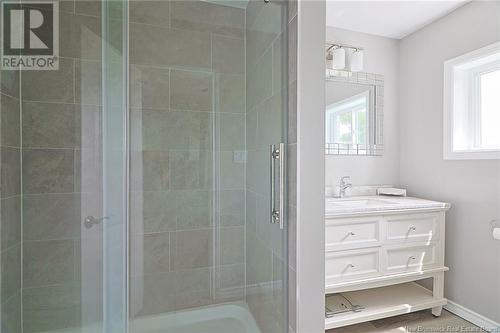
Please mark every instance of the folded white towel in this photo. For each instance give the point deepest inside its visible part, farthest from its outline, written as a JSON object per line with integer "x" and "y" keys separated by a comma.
{"x": 399, "y": 192}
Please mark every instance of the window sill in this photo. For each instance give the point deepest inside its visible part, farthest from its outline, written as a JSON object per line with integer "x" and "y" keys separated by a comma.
{"x": 472, "y": 155}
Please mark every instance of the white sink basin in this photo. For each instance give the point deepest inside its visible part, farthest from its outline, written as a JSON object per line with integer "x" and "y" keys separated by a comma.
{"x": 360, "y": 202}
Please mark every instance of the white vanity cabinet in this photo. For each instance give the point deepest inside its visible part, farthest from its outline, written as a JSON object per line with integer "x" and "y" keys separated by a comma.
{"x": 375, "y": 256}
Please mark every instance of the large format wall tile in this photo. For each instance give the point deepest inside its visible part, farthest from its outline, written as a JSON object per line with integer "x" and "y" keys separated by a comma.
{"x": 10, "y": 312}
{"x": 157, "y": 252}
{"x": 231, "y": 131}
{"x": 48, "y": 170}
{"x": 49, "y": 125}
{"x": 251, "y": 211}
{"x": 88, "y": 7}
{"x": 280, "y": 63}
{"x": 89, "y": 129}
{"x": 10, "y": 222}
{"x": 193, "y": 288}
{"x": 270, "y": 121}
{"x": 230, "y": 93}
{"x": 88, "y": 82}
{"x": 150, "y": 87}
{"x": 262, "y": 29}
{"x": 228, "y": 55}
{"x": 150, "y": 12}
{"x": 50, "y": 86}
{"x": 191, "y": 249}
{"x": 191, "y": 169}
{"x": 258, "y": 260}
{"x": 155, "y": 167}
{"x": 232, "y": 276}
{"x": 10, "y": 119}
{"x": 232, "y": 245}
{"x": 88, "y": 170}
{"x": 232, "y": 207}
{"x": 80, "y": 36}
{"x": 204, "y": 16}
{"x": 191, "y": 90}
{"x": 161, "y": 130}
{"x": 159, "y": 46}
{"x": 11, "y": 271}
{"x": 232, "y": 174}
{"x": 194, "y": 209}
{"x": 153, "y": 211}
{"x": 10, "y": 172}
{"x": 48, "y": 262}
{"x": 152, "y": 294}
{"x": 259, "y": 80}
{"x": 52, "y": 307}
{"x": 9, "y": 83}
{"x": 51, "y": 216}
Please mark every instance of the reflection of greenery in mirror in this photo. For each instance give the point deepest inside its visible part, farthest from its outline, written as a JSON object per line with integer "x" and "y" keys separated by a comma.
{"x": 354, "y": 114}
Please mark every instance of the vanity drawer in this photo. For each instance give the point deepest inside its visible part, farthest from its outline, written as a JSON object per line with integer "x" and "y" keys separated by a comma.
{"x": 413, "y": 227}
{"x": 352, "y": 233}
{"x": 350, "y": 265}
{"x": 410, "y": 258}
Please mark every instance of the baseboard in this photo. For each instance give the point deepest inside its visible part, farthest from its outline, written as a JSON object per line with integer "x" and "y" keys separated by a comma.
{"x": 471, "y": 316}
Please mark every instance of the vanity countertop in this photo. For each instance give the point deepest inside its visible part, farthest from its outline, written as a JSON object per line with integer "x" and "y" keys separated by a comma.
{"x": 369, "y": 204}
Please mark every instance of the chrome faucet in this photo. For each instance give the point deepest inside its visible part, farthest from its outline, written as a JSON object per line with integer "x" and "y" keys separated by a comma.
{"x": 343, "y": 186}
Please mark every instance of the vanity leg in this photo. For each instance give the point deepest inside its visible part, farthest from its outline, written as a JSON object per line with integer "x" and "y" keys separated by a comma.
{"x": 438, "y": 292}
{"x": 436, "y": 312}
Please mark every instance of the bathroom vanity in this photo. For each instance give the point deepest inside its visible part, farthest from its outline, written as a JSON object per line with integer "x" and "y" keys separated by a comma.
{"x": 376, "y": 248}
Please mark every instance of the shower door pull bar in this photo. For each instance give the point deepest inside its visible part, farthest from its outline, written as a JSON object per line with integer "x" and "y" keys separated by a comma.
{"x": 278, "y": 213}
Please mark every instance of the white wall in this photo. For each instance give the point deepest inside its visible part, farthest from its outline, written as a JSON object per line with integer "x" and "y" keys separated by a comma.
{"x": 310, "y": 167}
{"x": 380, "y": 57}
{"x": 472, "y": 187}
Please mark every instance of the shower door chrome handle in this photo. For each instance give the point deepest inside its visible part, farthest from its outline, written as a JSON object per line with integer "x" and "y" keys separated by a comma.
{"x": 277, "y": 214}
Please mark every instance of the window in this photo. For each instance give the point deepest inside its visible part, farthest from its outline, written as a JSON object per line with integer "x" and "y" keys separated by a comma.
{"x": 472, "y": 105}
{"x": 347, "y": 120}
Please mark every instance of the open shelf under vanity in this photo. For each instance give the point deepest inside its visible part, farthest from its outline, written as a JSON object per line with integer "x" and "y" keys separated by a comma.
{"x": 385, "y": 302}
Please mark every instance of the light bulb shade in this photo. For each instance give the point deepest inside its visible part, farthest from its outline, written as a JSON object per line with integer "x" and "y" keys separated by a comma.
{"x": 357, "y": 61}
{"x": 329, "y": 60}
{"x": 338, "y": 58}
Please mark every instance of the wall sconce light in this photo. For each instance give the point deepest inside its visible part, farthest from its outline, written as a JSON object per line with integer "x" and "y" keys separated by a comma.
{"x": 337, "y": 57}
{"x": 357, "y": 61}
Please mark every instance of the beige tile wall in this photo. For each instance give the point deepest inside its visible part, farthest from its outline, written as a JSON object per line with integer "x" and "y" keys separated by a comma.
{"x": 188, "y": 102}
{"x": 10, "y": 202}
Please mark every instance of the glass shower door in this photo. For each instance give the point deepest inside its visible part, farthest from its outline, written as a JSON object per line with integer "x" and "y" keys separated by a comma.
{"x": 208, "y": 97}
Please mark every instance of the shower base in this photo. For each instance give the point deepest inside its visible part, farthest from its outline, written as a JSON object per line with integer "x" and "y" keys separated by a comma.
{"x": 223, "y": 318}
{"x": 232, "y": 317}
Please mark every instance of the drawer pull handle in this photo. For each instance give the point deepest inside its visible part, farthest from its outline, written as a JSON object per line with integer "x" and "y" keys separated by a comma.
{"x": 412, "y": 228}
{"x": 350, "y": 266}
{"x": 412, "y": 258}
{"x": 351, "y": 233}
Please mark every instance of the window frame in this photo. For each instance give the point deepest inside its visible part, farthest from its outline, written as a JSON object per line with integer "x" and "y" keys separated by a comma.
{"x": 330, "y": 134}
{"x": 468, "y": 114}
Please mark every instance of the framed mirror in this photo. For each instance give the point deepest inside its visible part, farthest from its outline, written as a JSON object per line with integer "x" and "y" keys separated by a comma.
{"x": 354, "y": 113}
